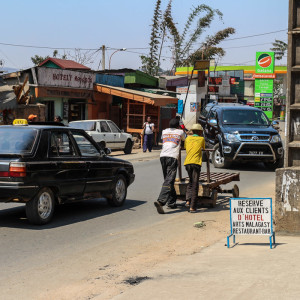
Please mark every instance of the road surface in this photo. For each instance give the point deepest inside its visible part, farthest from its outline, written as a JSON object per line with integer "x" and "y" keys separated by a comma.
{"x": 89, "y": 237}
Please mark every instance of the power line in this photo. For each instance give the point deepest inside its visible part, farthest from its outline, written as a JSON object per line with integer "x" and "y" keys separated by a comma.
{"x": 254, "y": 35}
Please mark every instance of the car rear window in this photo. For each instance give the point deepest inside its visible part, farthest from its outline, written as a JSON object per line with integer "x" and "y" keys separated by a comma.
{"x": 87, "y": 126}
{"x": 17, "y": 140}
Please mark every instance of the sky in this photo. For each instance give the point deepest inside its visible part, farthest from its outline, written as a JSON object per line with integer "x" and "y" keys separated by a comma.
{"x": 117, "y": 24}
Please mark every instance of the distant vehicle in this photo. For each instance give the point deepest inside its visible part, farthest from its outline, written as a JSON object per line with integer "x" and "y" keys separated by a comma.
{"x": 240, "y": 133}
{"x": 47, "y": 165}
{"x": 106, "y": 133}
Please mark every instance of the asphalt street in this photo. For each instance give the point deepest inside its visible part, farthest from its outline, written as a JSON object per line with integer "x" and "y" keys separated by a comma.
{"x": 80, "y": 226}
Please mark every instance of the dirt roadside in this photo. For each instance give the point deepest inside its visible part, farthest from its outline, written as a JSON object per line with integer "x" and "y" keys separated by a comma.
{"x": 101, "y": 272}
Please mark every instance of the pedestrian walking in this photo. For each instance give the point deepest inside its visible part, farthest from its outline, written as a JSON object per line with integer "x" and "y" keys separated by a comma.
{"x": 172, "y": 138}
{"x": 193, "y": 161}
{"x": 148, "y": 135}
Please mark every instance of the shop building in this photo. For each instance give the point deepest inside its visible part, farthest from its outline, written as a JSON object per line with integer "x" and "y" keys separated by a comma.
{"x": 65, "y": 87}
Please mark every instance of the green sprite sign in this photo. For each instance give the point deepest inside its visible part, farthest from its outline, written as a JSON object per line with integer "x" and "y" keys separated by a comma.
{"x": 264, "y": 87}
{"x": 264, "y": 62}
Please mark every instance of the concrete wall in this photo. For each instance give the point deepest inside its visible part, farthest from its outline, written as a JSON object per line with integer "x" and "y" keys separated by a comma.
{"x": 194, "y": 96}
{"x": 287, "y": 202}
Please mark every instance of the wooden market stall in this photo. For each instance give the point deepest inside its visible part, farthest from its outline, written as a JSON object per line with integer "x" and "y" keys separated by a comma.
{"x": 136, "y": 106}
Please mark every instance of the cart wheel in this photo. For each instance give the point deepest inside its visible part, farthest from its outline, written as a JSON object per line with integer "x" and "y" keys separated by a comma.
{"x": 235, "y": 191}
{"x": 214, "y": 197}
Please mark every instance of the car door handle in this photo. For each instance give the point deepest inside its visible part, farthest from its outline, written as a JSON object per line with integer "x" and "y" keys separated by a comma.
{"x": 103, "y": 134}
{"x": 115, "y": 135}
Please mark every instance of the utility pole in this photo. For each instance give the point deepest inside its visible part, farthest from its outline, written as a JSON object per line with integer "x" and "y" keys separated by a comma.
{"x": 103, "y": 57}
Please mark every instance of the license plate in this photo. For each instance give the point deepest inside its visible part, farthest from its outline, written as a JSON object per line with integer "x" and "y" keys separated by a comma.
{"x": 256, "y": 152}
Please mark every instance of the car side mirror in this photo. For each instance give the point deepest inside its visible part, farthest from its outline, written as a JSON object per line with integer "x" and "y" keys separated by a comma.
{"x": 107, "y": 151}
{"x": 275, "y": 123}
{"x": 122, "y": 130}
{"x": 212, "y": 122}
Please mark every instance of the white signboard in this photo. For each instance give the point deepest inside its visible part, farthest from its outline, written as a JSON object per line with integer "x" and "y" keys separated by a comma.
{"x": 65, "y": 78}
{"x": 251, "y": 216}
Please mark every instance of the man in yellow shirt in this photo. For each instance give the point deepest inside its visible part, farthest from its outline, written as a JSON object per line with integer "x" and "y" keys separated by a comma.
{"x": 193, "y": 161}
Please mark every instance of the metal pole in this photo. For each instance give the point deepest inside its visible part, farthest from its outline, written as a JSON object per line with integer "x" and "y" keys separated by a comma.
{"x": 103, "y": 57}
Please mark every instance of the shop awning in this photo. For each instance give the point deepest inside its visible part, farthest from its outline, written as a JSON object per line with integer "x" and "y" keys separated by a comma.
{"x": 144, "y": 97}
{"x": 7, "y": 97}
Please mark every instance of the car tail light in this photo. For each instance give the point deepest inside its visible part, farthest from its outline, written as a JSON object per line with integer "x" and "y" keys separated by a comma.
{"x": 17, "y": 169}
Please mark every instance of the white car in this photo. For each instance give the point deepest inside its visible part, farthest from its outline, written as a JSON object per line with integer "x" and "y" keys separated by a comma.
{"x": 106, "y": 133}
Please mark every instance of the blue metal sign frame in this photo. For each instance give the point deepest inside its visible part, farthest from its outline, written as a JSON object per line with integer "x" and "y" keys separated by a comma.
{"x": 272, "y": 236}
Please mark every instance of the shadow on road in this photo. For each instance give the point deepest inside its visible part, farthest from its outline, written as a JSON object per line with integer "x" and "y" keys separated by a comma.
{"x": 65, "y": 214}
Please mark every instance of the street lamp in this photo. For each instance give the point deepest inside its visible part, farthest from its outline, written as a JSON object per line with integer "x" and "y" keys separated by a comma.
{"x": 122, "y": 49}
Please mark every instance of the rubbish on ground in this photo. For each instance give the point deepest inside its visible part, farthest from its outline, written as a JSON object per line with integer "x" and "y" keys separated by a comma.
{"x": 199, "y": 224}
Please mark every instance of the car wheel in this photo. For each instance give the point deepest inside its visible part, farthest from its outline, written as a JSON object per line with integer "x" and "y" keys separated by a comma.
{"x": 128, "y": 147}
{"x": 218, "y": 159}
{"x": 274, "y": 165}
{"x": 119, "y": 192}
{"x": 40, "y": 209}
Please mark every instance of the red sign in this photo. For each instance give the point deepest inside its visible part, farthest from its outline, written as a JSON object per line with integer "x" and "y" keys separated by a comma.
{"x": 264, "y": 76}
{"x": 213, "y": 89}
{"x": 232, "y": 80}
{"x": 215, "y": 80}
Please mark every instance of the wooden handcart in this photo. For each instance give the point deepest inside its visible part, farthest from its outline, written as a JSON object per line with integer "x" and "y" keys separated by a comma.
{"x": 209, "y": 185}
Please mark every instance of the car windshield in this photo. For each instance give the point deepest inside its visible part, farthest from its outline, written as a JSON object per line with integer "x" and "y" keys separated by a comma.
{"x": 244, "y": 117}
{"x": 87, "y": 126}
{"x": 17, "y": 140}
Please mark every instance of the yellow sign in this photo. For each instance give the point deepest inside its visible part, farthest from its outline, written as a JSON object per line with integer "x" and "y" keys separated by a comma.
{"x": 20, "y": 122}
{"x": 257, "y": 99}
{"x": 201, "y": 65}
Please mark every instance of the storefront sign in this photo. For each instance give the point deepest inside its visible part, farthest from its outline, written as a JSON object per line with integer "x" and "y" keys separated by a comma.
{"x": 201, "y": 65}
{"x": 63, "y": 92}
{"x": 264, "y": 62}
{"x": 263, "y": 84}
{"x": 251, "y": 216}
{"x": 215, "y": 80}
{"x": 264, "y": 76}
{"x": 65, "y": 78}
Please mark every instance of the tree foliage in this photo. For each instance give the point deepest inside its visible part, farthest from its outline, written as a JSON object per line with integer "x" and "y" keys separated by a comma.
{"x": 184, "y": 50}
{"x": 280, "y": 48}
{"x": 37, "y": 59}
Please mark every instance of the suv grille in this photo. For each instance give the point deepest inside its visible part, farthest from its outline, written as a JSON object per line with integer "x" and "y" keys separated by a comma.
{"x": 255, "y": 137}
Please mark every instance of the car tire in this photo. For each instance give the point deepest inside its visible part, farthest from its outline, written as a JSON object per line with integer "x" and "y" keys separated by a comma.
{"x": 40, "y": 209}
{"x": 218, "y": 160}
{"x": 274, "y": 165}
{"x": 128, "y": 147}
{"x": 119, "y": 192}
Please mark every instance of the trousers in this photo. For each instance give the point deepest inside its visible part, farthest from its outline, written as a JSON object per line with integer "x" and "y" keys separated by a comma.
{"x": 147, "y": 142}
{"x": 167, "y": 194}
{"x": 193, "y": 171}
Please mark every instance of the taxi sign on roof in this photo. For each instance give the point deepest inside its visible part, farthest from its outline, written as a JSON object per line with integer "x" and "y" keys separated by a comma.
{"x": 20, "y": 122}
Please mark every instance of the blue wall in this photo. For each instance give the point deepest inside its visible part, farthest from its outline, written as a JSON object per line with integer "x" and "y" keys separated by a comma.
{"x": 112, "y": 80}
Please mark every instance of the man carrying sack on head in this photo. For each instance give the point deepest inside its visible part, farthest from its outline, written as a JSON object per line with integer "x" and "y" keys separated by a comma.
{"x": 193, "y": 161}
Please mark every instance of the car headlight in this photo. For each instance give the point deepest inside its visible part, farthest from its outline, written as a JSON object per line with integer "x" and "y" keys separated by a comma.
{"x": 275, "y": 139}
{"x": 231, "y": 138}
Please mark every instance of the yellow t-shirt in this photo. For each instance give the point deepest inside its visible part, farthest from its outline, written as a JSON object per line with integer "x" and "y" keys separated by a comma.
{"x": 194, "y": 145}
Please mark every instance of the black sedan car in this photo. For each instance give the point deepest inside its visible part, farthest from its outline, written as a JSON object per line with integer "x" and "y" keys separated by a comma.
{"x": 47, "y": 165}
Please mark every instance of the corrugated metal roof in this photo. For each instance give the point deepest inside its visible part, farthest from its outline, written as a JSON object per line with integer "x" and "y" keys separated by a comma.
{"x": 65, "y": 64}
{"x": 149, "y": 98}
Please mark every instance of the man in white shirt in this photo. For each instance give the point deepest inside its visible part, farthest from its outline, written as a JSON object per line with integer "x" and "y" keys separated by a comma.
{"x": 148, "y": 135}
{"x": 172, "y": 138}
